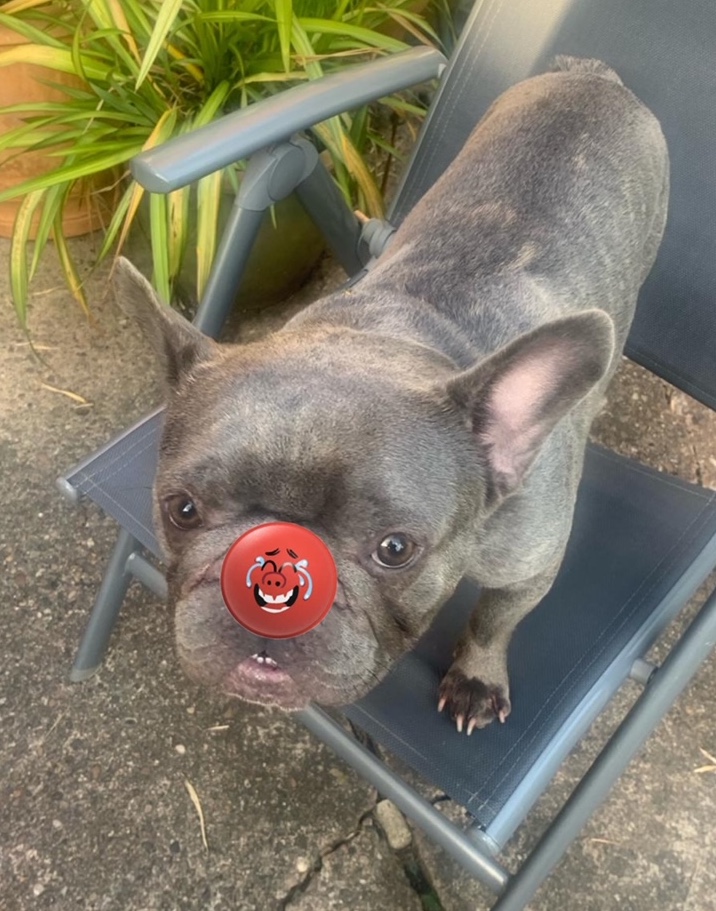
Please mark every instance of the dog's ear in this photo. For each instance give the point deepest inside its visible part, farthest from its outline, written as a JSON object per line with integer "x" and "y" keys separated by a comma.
{"x": 178, "y": 345}
{"x": 514, "y": 398}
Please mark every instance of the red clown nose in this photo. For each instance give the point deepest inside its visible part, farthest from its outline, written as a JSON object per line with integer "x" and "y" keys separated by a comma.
{"x": 279, "y": 580}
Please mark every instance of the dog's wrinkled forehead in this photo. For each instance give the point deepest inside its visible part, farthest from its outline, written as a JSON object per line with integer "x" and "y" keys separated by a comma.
{"x": 298, "y": 438}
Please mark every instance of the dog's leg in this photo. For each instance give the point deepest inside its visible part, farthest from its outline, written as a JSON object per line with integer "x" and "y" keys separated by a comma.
{"x": 476, "y": 689}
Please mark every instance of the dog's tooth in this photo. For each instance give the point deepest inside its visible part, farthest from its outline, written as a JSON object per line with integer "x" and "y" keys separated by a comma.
{"x": 255, "y": 655}
{"x": 260, "y": 659}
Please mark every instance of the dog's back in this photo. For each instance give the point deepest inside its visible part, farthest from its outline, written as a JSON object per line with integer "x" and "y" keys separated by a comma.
{"x": 556, "y": 203}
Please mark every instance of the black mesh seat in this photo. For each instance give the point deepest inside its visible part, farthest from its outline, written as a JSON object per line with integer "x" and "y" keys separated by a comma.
{"x": 119, "y": 479}
{"x": 612, "y": 598}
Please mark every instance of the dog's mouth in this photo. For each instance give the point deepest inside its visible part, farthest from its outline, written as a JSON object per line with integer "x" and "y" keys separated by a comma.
{"x": 262, "y": 658}
{"x": 259, "y": 679}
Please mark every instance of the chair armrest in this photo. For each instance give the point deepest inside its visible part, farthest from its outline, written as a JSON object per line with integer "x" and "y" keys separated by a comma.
{"x": 241, "y": 133}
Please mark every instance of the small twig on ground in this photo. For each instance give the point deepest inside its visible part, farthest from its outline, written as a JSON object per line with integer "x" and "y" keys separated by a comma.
{"x": 197, "y": 806}
{"x": 70, "y": 395}
{"x": 711, "y": 767}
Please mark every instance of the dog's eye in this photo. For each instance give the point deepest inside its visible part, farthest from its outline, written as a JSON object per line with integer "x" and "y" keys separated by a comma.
{"x": 182, "y": 512}
{"x": 395, "y": 550}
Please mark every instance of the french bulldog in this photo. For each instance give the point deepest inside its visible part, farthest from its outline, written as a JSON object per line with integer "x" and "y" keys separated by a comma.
{"x": 428, "y": 422}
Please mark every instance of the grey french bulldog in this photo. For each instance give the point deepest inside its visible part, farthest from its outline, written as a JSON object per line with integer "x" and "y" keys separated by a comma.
{"x": 429, "y": 422}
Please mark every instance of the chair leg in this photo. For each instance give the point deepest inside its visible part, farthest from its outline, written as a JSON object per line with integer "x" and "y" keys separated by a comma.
{"x": 106, "y": 608}
{"x": 685, "y": 658}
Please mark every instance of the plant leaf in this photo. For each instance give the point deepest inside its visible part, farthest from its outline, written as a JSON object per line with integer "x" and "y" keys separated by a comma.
{"x": 55, "y": 58}
{"x": 73, "y": 172}
{"x": 400, "y": 105}
{"x": 292, "y": 76}
{"x": 68, "y": 264}
{"x": 302, "y": 45}
{"x": 54, "y": 200}
{"x": 18, "y": 252}
{"x": 164, "y": 22}
{"x": 67, "y": 113}
{"x": 158, "y": 214}
{"x": 192, "y": 68}
{"x": 28, "y": 31}
{"x": 178, "y": 221}
{"x": 366, "y": 36}
{"x": 19, "y": 6}
{"x": 117, "y": 221}
{"x": 212, "y": 106}
{"x": 232, "y": 16}
{"x": 405, "y": 23}
{"x": 208, "y": 194}
{"x": 160, "y": 245}
{"x": 284, "y": 18}
{"x": 119, "y": 20}
{"x": 358, "y": 169}
{"x": 403, "y": 17}
{"x": 130, "y": 202}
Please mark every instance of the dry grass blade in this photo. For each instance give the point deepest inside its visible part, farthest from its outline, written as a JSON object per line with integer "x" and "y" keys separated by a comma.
{"x": 197, "y": 806}
{"x": 706, "y": 768}
{"x": 81, "y": 400}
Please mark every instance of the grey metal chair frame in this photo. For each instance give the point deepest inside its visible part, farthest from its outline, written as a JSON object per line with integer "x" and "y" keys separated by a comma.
{"x": 281, "y": 161}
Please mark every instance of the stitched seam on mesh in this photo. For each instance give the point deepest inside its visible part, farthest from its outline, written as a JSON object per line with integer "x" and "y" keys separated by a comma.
{"x": 133, "y": 520}
{"x": 676, "y": 373}
{"x": 700, "y": 493}
{"x": 122, "y": 456}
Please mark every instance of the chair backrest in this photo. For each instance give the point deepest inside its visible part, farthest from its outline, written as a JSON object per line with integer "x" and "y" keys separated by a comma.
{"x": 664, "y": 52}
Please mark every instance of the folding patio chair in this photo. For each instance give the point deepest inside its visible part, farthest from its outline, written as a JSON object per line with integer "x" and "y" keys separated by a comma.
{"x": 643, "y": 542}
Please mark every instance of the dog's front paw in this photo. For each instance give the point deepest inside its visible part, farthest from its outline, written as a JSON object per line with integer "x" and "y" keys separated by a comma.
{"x": 472, "y": 703}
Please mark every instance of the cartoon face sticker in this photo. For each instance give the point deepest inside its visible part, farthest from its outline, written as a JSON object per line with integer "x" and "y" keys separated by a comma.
{"x": 277, "y": 584}
{"x": 267, "y": 584}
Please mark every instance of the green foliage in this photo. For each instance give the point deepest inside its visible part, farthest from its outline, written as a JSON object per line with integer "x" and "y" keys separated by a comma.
{"x": 153, "y": 69}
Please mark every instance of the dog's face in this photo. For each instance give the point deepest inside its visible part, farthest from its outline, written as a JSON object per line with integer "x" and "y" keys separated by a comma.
{"x": 370, "y": 443}
{"x": 272, "y": 431}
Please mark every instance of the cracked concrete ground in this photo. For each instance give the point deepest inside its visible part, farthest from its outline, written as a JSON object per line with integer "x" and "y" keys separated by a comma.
{"x": 95, "y": 810}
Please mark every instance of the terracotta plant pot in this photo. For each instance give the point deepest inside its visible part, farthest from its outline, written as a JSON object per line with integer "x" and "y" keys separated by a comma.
{"x": 24, "y": 82}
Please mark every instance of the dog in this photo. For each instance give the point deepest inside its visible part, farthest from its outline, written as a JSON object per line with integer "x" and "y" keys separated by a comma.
{"x": 429, "y": 422}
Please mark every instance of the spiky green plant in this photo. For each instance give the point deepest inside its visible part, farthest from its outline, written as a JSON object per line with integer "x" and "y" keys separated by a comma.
{"x": 153, "y": 69}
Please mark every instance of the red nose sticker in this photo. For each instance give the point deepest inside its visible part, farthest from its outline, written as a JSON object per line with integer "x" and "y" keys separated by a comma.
{"x": 279, "y": 580}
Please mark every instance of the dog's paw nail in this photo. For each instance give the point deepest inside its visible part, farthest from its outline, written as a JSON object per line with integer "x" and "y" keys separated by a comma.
{"x": 472, "y": 703}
